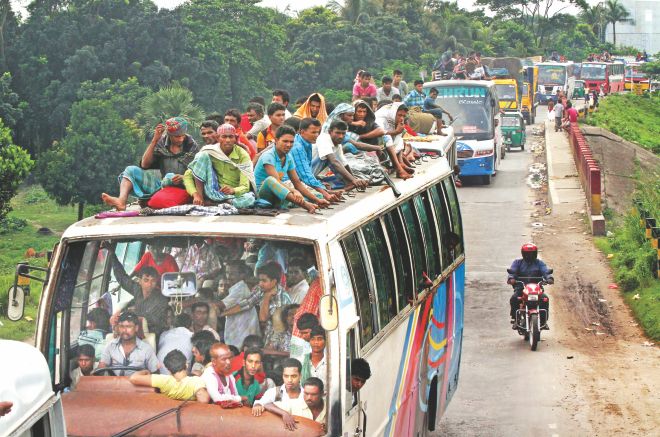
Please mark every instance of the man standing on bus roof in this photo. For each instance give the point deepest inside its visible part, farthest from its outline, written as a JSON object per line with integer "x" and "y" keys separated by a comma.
{"x": 416, "y": 97}
{"x": 170, "y": 154}
{"x": 128, "y": 349}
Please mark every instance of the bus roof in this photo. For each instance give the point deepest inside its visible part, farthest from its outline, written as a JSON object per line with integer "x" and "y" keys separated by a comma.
{"x": 452, "y": 82}
{"x": 293, "y": 224}
{"x": 26, "y": 383}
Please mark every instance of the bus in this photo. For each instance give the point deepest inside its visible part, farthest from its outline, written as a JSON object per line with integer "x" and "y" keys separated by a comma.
{"x": 26, "y": 383}
{"x": 605, "y": 76}
{"x": 553, "y": 77}
{"x": 475, "y": 108}
{"x": 508, "y": 94}
{"x": 635, "y": 78}
{"x": 386, "y": 275}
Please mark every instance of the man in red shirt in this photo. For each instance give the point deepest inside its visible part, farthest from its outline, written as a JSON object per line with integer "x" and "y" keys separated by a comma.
{"x": 364, "y": 87}
{"x": 571, "y": 113}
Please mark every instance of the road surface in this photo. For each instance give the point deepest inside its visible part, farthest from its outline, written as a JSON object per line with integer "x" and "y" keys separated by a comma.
{"x": 507, "y": 390}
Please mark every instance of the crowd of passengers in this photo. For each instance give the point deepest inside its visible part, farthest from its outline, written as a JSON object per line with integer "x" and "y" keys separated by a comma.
{"x": 269, "y": 158}
{"x": 249, "y": 337}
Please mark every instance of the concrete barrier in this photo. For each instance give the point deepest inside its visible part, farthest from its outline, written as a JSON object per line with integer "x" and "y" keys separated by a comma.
{"x": 590, "y": 177}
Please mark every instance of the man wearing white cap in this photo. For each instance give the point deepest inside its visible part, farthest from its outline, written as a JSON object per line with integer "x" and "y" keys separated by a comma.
{"x": 221, "y": 172}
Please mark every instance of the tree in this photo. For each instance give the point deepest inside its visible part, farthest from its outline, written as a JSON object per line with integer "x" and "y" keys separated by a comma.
{"x": 651, "y": 69}
{"x": 11, "y": 106}
{"x": 355, "y": 11}
{"x": 15, "y": 164}
{"x": 124, "y": 95}
{"x": 97, "y": 148}
{"x": 173, "y": 101}
{"x": 594, "y": 16}
{"x": 616, "y": 13}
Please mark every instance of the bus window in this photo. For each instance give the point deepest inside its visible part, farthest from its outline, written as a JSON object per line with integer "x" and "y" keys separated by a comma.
{"x": 381, "y": 266}
{"x": 401, "y": 255}
{"x": 416, "y": 241}
{"x": 455, "y": 214}
{"x": 425, "y": 214}
{"x": 356, "y": 265}
{"x": 442, "y": 217}
{"x": 350, "y": 399}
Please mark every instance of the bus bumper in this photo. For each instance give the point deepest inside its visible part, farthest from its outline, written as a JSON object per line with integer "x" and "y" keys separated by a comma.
{"x": 482, "y": 166}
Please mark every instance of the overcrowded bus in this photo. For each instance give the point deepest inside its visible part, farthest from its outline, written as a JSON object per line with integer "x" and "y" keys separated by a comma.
{"x": 603, "y": 76}
{"x": 475, "y": 108}
{"x": 386, "y": 278}
{"x": 553, "y": 77}
{"x": 635, "y": 78}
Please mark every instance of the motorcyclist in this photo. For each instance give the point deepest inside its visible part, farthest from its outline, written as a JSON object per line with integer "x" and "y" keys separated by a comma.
{"x": 526, "y": 269}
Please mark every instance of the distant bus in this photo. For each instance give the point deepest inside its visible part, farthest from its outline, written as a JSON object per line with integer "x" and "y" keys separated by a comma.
{"x": 605, "y": 76}
{"x": 388, "y": 274}
{"x": 553, "y": 77}
{"x": 634, "y": 76}
{"x": 475, "y": 107}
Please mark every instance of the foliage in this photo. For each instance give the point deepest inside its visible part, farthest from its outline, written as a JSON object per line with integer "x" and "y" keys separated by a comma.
{"x": 125, "y": 96}
{"x": 11, "y": 106}
{"x": 13, "y": 245}
{"x": 9, "y": 224}
{"x": 336, "y": 96}
{"x": 615, "y": 12}
{"x": 98, "y": 146}
{"x": 173, "y": 101}
{"x": 15, "y": 165}
{"x": 632, "y": 117}
{"x": 651, "y": 69}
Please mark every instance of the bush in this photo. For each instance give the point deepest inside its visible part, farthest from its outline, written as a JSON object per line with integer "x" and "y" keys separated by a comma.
{"x": 9, "y": 224}
{"x": 35, "y": 195}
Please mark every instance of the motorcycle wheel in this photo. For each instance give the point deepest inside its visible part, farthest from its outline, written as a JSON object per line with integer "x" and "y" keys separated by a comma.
{"x": 535, "y": 333}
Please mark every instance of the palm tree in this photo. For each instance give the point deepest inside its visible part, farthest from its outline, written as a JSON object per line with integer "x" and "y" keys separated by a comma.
{"x": 594, "y": 16}
{"x": 615, "y": 12}
{"x": 171, "y": 101}
{"x": 354, "y": 11}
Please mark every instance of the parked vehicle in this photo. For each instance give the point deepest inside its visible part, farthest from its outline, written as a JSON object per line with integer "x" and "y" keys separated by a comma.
{"x": 553, "y": 77}
{"x": 607, "y": 76}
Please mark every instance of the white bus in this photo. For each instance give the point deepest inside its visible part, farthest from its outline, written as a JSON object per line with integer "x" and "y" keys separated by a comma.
{"x": 390, "y": 280}
{"x": 475, "y": 108}
{"x": 26, "y": 383}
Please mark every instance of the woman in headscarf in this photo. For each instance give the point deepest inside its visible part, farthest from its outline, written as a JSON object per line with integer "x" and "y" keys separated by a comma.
{"x": 391, "y": 118}
{"x": 314, "y": 107}
{"x": 170, "y": 153}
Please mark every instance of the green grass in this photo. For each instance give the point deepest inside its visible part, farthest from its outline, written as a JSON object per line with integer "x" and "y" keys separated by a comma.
{"x": 33, "y": 205}
{"x": 632, "y": 274}
{"x": 632, "y": 117}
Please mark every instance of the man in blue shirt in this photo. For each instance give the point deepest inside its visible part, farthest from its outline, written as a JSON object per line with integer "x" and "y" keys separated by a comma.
{"x": 310, "y": 128}
{"x": 269, "y": 174}
{"x": 529, "y": 269}
{"x": 416, "y": 97}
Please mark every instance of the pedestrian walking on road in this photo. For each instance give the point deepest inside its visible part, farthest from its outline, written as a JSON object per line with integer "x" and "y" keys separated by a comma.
{"x": 559, "y": 112}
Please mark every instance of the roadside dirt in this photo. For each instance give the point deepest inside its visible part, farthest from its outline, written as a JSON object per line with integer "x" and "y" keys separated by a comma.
{"x": 610, "y": 367}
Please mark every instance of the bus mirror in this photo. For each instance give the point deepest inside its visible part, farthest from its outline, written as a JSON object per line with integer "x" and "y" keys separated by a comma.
{"x": 328, "y": 312}
{"x": 16, "y": 305}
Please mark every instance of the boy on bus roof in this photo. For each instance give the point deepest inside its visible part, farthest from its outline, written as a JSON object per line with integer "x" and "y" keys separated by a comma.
{"x": 270, "y": 170}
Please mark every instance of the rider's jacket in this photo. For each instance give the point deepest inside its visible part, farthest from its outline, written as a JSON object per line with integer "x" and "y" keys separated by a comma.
{"x": 523, "y": 269}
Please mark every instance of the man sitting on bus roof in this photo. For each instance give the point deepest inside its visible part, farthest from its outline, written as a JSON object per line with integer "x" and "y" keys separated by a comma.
{"x": 328, "y": 153}
{"x": 147, "y": 298}
{"x": 221, "y": 172}
{"x": 170, "y": 154}
{"x": 312, "y": 407}
{"x": 178, "y": 385}
{"x": 127, "y": 349}
{"x": 249, "y": 388}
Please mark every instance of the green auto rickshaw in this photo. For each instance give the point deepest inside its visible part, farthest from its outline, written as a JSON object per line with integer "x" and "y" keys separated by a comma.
{"x": 513, "y": 130}
{"x": 578, "y": 90}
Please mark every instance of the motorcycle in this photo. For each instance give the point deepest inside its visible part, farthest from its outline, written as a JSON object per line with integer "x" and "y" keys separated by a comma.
{"x": 528, "y": 315}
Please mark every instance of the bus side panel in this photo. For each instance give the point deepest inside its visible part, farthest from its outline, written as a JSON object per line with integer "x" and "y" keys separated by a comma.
{"x": 457, "y": 299}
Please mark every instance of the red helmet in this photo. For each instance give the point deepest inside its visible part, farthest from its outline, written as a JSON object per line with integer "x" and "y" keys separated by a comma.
{"x": 529, "y": 252}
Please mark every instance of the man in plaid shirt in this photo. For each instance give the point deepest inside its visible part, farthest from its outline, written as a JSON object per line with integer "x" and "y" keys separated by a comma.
{"x": 416, "y": 97}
